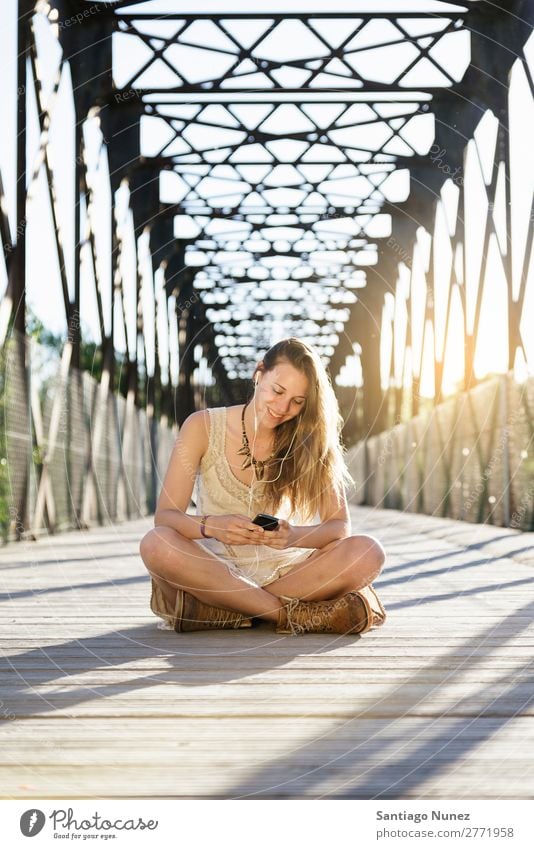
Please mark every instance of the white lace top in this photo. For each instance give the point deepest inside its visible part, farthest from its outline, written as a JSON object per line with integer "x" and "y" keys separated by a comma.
{"x": 219, "y": 491}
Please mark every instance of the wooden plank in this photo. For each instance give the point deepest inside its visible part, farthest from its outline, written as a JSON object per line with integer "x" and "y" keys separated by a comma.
{"x": 345, "y": 678}
{"x": 233, "y": 781}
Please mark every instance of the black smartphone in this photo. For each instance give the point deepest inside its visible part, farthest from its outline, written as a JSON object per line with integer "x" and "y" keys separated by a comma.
{"x": 269, "y": 523}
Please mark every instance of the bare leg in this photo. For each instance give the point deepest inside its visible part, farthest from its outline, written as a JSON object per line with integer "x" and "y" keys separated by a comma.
{"x": 340, "y": 567}
{"x": 177, "y": 562}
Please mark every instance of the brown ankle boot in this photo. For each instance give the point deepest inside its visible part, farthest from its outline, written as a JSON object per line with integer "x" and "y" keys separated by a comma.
{"x": 354, "y": 613}
{"x": 190, "y": 614}
{"x": 194, "y": 615}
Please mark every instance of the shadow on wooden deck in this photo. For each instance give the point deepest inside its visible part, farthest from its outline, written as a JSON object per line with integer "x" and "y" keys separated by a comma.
{"x": 96, "y": 701}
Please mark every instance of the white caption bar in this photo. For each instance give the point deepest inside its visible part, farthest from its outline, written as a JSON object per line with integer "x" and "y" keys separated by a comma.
{"x": 225, "y": 824}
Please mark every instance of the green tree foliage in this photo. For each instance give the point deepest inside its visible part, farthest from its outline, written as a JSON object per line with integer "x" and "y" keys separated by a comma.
{"x": 91, "y": 359}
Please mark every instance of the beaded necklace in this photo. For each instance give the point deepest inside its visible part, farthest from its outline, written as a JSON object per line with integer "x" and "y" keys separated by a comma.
{"x": 250, "y": 460}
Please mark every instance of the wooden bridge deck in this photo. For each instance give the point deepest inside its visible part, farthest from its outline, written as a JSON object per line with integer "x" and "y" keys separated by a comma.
{"x": 96, "y": 701}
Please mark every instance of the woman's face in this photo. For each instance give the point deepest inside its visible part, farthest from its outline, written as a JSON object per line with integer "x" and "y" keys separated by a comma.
{"x": 280, "y": 393}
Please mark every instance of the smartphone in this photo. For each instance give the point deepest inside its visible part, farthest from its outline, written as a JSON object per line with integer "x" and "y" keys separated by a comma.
{"x": 269, "y": 523}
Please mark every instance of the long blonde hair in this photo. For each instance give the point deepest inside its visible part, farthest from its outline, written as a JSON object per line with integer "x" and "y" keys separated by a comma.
{"x": 314, "y": 465}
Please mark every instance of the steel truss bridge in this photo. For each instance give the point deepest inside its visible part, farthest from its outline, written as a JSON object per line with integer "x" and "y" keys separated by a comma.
{"x": 205, "y": 182}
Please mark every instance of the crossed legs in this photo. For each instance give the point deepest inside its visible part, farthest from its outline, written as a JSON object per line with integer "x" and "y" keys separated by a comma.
{"x": 340, "y": 567}
{"x": 176, "y": 562}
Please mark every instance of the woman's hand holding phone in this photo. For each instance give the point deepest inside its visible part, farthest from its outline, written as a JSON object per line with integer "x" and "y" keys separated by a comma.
{"x": 237, "y": 529}
{"x": 281, "y": 538}
{"x": 234, "y": 529}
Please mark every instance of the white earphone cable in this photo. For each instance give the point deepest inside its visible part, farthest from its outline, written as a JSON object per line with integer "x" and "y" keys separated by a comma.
{"x": 255, "y": 480}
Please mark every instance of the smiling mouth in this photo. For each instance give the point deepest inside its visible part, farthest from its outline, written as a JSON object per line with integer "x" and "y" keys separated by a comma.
{"x": 274, "y": 414}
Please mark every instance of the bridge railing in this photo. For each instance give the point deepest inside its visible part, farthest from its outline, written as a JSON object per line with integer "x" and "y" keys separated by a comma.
{"x": 470, "y": 458}
{"x": 75, "y": 454}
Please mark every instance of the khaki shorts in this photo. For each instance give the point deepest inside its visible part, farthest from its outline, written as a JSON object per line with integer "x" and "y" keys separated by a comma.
{"x": 268, "y": 571}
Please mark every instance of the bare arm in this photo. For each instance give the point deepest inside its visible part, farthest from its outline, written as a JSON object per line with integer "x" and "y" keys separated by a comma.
{"x": 177, "y": 488}
{"x": 190, "y": 447}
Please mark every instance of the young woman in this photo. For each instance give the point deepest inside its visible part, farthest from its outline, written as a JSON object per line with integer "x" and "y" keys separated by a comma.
{"x": 279, "y": 454}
